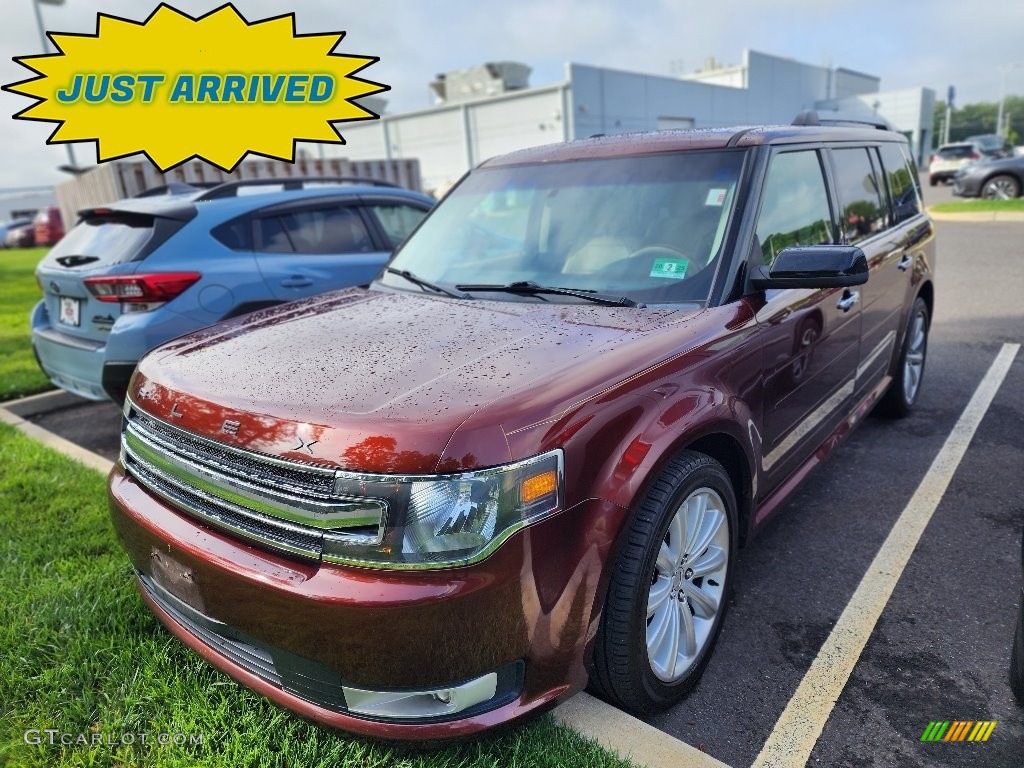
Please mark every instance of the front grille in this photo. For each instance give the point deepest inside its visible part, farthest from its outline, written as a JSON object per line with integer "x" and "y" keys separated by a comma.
{"x": 282, "y": 505}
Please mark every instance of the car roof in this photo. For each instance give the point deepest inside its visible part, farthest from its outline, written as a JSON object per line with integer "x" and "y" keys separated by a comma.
{"x": 651, "y": 142}
{"x": 186, "y": 205}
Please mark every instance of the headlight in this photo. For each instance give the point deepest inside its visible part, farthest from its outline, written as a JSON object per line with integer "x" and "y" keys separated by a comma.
{"x": 446, "y": 520}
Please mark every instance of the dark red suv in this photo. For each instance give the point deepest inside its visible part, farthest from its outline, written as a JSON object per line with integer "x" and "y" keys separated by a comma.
{"x": 525, "y": 457}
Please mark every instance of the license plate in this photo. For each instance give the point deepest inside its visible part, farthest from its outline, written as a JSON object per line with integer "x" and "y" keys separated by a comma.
{"x": 70, "y": 311}
{"x": 175, "y": 578}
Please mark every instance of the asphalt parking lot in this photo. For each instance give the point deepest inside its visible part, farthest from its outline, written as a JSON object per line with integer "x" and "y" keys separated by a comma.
{"x": 941, "y": 647}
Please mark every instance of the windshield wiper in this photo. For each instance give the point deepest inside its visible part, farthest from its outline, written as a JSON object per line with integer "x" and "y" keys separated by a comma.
{"x": 415, "y": 279}
{"x": 528, "y": 287}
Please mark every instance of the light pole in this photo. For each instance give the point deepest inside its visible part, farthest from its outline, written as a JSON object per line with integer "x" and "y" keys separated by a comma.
{"x": 72, "y": 166}
{"x": 1004, "y": 70}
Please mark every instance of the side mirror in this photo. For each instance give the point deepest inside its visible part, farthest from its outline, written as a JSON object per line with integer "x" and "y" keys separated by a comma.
{"x": 814, "y": 266}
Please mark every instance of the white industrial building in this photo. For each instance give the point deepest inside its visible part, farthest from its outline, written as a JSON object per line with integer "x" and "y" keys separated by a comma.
{"x": 488, "y": 110}
{"x": 24, "y": 202}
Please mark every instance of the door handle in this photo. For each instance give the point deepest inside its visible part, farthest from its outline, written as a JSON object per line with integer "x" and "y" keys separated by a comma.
{"x": 296, "y": 281}
{"x": 849, "y": 299}
{"x": 904, "y": 263}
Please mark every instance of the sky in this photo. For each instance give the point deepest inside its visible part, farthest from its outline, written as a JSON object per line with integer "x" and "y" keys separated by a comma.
{"x": 907, "y": 43}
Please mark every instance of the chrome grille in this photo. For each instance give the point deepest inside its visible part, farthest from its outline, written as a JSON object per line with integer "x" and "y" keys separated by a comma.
{"x": 283, "y": 505}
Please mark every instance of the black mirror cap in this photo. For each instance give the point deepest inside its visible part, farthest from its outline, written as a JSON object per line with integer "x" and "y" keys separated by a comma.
{"x": 814, "y": 266}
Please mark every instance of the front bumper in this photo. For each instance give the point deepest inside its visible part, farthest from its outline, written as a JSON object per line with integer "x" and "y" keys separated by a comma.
{"x": 965, "y": 186}
{"x": 526, "y": 613}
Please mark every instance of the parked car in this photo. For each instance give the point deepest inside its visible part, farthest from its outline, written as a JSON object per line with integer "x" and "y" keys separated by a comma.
{"x": 526, "y": 455}
{"x": 950, "y": 158}
{"x": 49, "y": 227}
{"x": 7, "y": 226}
{"x": 991, "y": 145}
{"x": 139, "y": 272}
{"x": 1017, "y": 654}
{"x": 20, "y": 235}
{"x": 1000, "y": 178}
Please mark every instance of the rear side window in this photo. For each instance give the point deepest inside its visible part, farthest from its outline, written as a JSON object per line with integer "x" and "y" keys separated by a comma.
{"x": 861, "y": 200}
{"x": 320, "y": 230}
{"x": 794, "y": 205}
{"x": 901, "y": 178}
{"x": 111, "y": 239}
{"x": 398, "y": 220}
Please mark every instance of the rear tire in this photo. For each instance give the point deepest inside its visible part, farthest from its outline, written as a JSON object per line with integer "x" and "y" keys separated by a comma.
{"x": 899, "y": 400}
{"x": 669, "y": 587}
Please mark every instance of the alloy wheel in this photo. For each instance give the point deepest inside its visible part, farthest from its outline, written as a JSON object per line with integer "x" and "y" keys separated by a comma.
{"x": 913, "y": 365}
{"x": 688, "y": 585}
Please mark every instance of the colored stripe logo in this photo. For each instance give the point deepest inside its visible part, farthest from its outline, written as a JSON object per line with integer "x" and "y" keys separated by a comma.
{"x": 958, "y": 730}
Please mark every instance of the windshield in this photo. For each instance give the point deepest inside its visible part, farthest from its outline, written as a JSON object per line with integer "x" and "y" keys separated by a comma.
{"x": 650, "y": 227}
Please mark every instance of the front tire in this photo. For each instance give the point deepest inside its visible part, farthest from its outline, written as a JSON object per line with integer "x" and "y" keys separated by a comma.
{"x": 899, "y": 401}
{"x": 669, "y": 587}
{"x": 1001, "y": 187}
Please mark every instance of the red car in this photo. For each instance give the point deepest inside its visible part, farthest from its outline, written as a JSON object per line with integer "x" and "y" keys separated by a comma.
{"x": 49, "y": 227}
{"x": 527, "y": 455}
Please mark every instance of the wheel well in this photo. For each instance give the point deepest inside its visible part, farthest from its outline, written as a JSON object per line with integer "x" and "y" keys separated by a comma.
{"x": 927, "y": 293}
{"x": 1013, "y": 174}
{"x": 727, "y": 451}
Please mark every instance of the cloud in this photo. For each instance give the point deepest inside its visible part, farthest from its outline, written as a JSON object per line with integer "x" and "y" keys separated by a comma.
{"x": 908, "y": 44}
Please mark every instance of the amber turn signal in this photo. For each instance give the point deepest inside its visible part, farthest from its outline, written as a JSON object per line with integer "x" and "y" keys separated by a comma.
{"x": 538, "y": 486}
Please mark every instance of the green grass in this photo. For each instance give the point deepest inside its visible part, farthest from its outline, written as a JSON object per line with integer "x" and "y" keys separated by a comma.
{"x": 19, "y": 372}
{"x": 980, "y": 206}
{"x": 80, "y": 653}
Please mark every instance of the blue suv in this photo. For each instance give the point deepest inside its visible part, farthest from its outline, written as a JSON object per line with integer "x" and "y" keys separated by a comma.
{"x": 136, "y": 273}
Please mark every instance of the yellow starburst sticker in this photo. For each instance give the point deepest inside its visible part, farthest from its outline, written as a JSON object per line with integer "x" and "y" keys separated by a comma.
{"x": 215, "y": 87}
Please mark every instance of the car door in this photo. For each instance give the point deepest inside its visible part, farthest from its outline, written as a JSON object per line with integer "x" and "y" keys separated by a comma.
{"x": 864, "y": 221}
{"x": 811, "y": 336}
{"x": 306, "y": 249}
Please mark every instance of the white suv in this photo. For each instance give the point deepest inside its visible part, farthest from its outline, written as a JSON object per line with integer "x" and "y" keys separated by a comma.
{"x": 950, "y": 158}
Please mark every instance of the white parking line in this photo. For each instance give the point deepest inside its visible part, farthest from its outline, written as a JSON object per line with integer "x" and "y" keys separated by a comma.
{"x": 791, "y": 741}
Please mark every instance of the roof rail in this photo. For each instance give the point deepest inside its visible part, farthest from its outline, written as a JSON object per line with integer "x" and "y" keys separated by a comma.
{"x": 230, "y": 188}
{"x": 175, "y": 188}
{"x": 811, "y": 117}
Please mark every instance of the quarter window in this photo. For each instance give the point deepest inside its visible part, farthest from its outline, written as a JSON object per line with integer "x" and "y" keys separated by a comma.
{"x": 397, "y": 220}
{"x": 794, "y": 207}
{"x": 860, "y": 197}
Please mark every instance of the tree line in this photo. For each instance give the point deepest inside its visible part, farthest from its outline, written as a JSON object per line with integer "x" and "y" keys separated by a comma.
{"x": 974, "y": 119}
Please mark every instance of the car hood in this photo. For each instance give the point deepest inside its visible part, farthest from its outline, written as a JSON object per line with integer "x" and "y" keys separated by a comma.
{"x": 381, "y": 381}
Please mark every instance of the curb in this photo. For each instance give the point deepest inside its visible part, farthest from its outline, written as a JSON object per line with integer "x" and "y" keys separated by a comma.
{"x": 613, "y": 729}
{"x": 972, "y": 216}
{"x": 631, "y": 738}
{"x": 13, "y": 412}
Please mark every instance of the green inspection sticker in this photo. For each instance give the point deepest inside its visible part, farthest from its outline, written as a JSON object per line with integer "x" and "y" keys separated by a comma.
{"x": 671, "y": 268}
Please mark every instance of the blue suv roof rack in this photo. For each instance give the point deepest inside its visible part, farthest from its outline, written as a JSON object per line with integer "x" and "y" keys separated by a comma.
{"x": 230, "y": 188}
